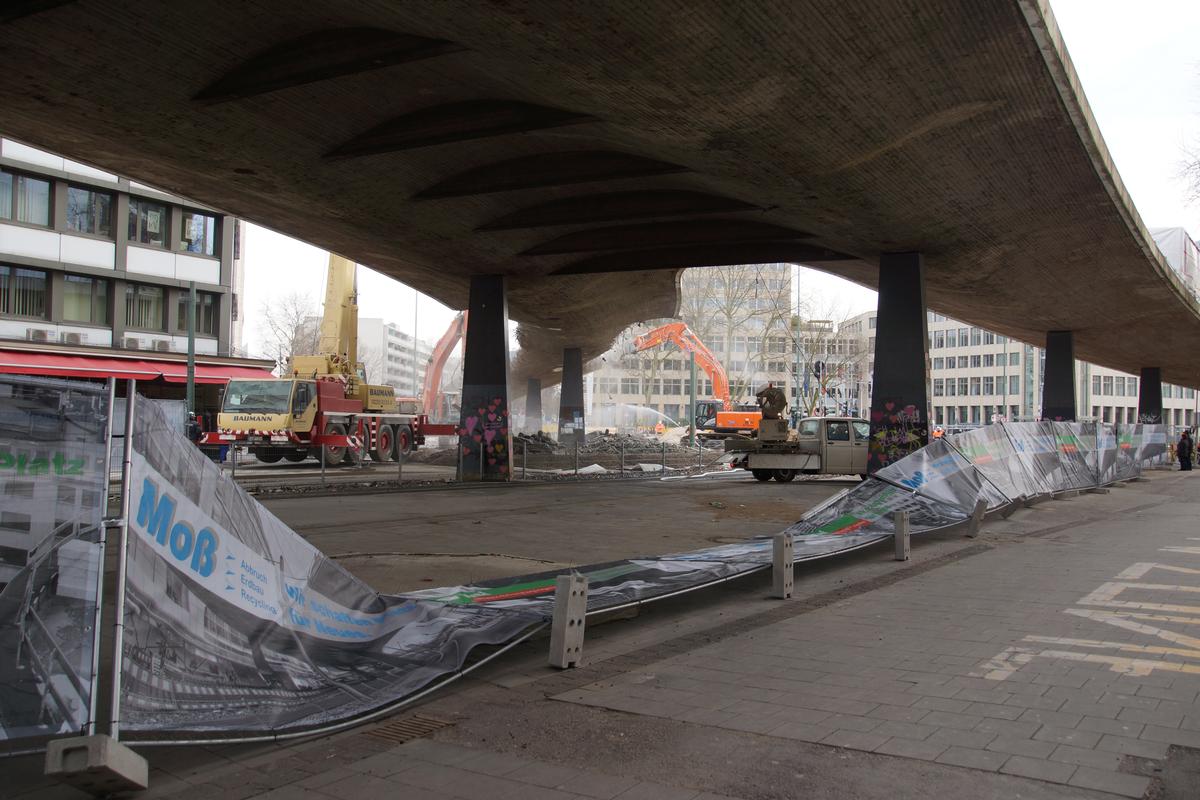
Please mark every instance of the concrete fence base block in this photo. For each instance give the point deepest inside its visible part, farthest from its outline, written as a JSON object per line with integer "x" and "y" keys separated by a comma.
{"x": 99, "y": 765}
{"x": 782, "y": 567}
{"x": 902, "y": 535}
{"x": 1065, "y": 495}
{"x": 1011, "y": 509}
{"x": 1098, "y": 490}
{"x": 570, "y": 614}
{"x": 976, "y": 521}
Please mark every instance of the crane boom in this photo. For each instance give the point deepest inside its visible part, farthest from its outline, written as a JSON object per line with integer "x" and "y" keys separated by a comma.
{"x": 682, "y": 336}
{"x": 337, "y": 346}
{"x": 431, "y": 396}
{"x": 339, "y": 322}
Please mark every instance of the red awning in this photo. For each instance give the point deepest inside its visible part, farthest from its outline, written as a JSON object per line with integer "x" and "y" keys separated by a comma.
{"x": 209, "y": 373}
{"x": 76, "y": 366}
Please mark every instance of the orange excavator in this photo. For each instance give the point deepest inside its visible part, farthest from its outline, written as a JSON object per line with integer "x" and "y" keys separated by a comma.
{"x": 715, "y": 419}
{"x": 434, "y": 399}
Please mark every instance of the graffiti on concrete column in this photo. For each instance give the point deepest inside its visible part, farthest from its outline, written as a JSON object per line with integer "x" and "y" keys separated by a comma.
{"x": 1150, "y": 418}
{"x": 483, "y": 437}
{"x": 897, "y": 429}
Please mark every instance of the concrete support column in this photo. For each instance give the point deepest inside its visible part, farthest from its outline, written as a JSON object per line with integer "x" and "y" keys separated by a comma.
{"x": 1058, "y": 386}
{"x": 1150, "y": 402}
{"x": 900, "y": 400}
{"x": 570, "y": 407}
{"x": 533, "y": 405}
{"x": 483, "y": 434}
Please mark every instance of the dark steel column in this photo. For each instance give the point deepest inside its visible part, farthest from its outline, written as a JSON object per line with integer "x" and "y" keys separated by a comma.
{"x": 1058, "y": 386}
{"x": 533, "y": 405}
{"x": 484, "y": 437}
{"x": 1150, "y": 405}
{"x": 899, "y": 399}
{"x": 570, "y": 407}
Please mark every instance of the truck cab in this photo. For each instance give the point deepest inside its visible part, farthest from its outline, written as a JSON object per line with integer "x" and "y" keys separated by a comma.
{"x": 269, "y": 406}
{"x": 841, "y": 443}
{"x": 818, "y": 446}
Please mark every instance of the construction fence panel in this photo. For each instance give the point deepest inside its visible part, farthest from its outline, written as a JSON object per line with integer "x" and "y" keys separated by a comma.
{"x": 53, "y": 498}
{"x": 992, "y": 451}
{"x": 941, "y": 473}
{"x": 235, "y": 624}
{"x": 1076, "y": 447}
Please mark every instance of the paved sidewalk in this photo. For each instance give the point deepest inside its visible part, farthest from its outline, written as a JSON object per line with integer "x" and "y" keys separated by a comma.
{"x": 1058, "y": 655}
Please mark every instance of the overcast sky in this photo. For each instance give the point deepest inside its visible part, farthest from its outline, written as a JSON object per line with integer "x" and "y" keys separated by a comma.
{"x": 1140, "y": 67}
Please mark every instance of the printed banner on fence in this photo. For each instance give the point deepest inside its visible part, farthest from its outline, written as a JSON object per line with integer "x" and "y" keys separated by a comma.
{"x": 234, "y": 623}
{"x": 53, "y": 494}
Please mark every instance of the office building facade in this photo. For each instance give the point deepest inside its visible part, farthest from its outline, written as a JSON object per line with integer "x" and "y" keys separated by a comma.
{"x": 95, "y": 272}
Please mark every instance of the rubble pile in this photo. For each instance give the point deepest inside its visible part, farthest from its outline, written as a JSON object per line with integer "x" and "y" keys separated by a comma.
{"x": 534, "y": 443}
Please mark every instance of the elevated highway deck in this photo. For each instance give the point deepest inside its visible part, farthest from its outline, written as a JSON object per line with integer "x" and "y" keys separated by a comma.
{"x": 589, "y": 156}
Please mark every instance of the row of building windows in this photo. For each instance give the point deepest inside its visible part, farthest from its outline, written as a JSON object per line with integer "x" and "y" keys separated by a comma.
{"x": 973, "y": 415}
{"x": 27, "y": 199}
{"x": 1114, "y": 386}
{"x": 984, "y": 415}
{"x": 677, "y": 365}
{"x": 977, "y": 361}
{"x": 25, "y": 293}
{"x": 604, "y": 385}
{"x": 963, "y": 337}
{"x": 783, "y": 345}
{"x": 781, "y": 302}
{"x": 987, "y": 385}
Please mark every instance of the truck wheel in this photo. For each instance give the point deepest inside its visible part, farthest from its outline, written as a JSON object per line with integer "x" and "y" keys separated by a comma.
{"x": 296, "y": 456}
{"x": 268, "y": 455}
{"x": 404, "y": 440}
{"x": 785, "y": 475}
{"x": 334, "y": 453}
{"x": 352, "y": 456}
{"x": 385, "y": 444}
{"x": 761, "y": 474}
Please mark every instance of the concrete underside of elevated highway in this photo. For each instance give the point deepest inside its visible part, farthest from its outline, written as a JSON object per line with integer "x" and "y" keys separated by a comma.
{"x": 589, "y": 156}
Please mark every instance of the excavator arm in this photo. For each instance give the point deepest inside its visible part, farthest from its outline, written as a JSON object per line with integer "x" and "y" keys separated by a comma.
{"x": 682, "y": 337}
{"x": 431, "y": 393}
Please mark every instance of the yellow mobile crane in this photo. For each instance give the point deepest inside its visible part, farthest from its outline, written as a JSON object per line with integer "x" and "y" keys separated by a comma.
{"x": 323, "y": 400}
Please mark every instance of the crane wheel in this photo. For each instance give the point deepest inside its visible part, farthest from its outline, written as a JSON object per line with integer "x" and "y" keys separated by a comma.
{"x": 385, "y": 444}
{"x": 268, "y": 455}
{"x": 296, "y": 456}
{"x": 785, "y": 475}
{"x": 334, "y": 453}
{"x": 762, "y": 474}
{"x": 404, "y": 440}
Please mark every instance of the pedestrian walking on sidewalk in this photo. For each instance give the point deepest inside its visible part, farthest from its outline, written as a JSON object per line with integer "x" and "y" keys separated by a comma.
{"x": 1184, "y": 451}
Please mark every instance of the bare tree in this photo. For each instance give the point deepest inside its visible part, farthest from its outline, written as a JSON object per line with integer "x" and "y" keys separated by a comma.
{"x": 830, "y": 361}
{"x": 290, "y": 327}
{"x": 742, "y": 313}
{"x": 1190, "y": 172}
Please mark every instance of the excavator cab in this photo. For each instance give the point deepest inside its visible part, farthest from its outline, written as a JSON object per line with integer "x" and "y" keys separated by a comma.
{"x": 706, "y": 414}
